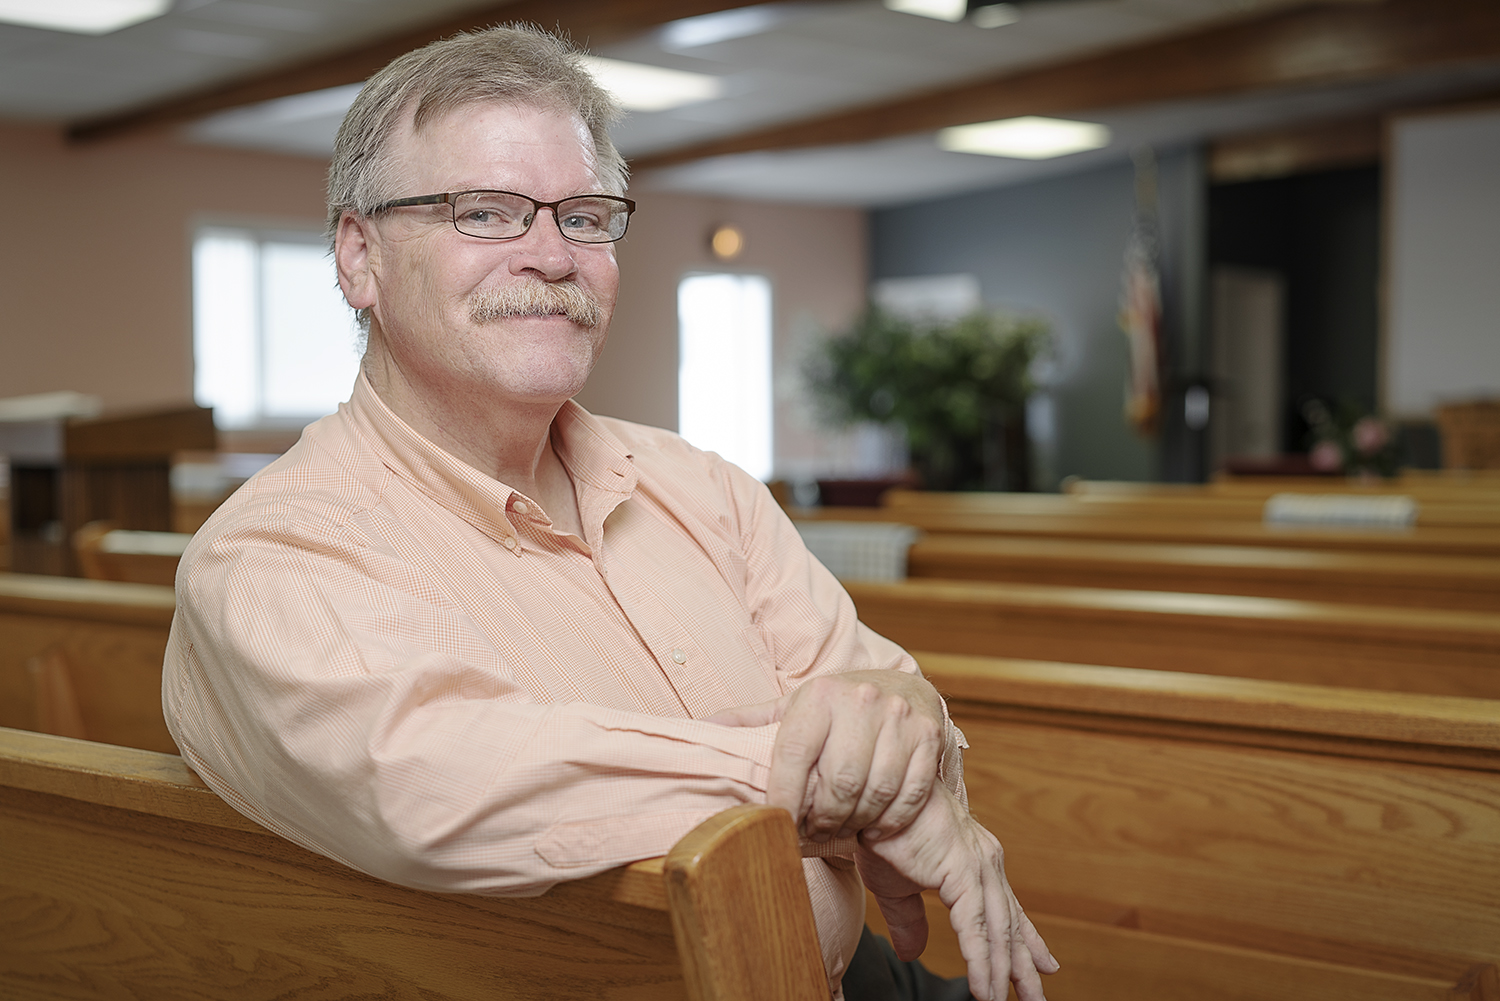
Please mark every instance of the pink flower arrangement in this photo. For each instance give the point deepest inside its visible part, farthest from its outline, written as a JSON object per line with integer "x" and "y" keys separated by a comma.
{"x": 1349, "y": 441}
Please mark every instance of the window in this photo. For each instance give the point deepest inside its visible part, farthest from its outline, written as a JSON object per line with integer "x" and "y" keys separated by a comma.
{"x": 274, "y": 343}
{"x": 724, "y": 367}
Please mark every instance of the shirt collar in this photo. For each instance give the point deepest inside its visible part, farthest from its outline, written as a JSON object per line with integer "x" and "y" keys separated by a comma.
{"x": 602, "y": 468}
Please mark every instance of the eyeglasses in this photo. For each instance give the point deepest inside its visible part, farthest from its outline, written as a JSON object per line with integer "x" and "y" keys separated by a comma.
{"x": 505, "y": 215}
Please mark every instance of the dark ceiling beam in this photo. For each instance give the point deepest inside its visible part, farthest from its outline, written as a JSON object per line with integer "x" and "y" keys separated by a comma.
{"x": 588, "y": 22}
{"x": 1298, "y": 47}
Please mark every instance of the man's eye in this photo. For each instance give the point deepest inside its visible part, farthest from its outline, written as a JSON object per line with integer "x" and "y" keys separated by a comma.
{"x": 580, "y": 220}
{"x": 487, "y": 216}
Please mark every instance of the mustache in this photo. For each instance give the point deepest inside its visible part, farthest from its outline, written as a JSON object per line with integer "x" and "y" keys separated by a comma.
{"x": 536, "y": 298}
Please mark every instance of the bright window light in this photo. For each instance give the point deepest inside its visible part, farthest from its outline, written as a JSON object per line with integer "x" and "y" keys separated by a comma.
{"x": 942, "y": 10}
{"x": 652, "y": 88}
{"x": 273, "y": 340}
{"x": 1028, "y": 138}
{"x": 86, "y": 17}
{"x": 724, "y": 367}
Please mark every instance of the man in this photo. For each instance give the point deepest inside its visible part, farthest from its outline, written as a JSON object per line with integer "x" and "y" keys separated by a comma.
{"x": 467, "y": 637}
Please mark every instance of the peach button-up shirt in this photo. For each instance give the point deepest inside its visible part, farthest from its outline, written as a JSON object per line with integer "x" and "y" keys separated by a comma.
{"x": 393, "y": 659}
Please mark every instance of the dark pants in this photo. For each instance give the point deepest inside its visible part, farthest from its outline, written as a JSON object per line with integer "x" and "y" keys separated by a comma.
{"x": 875, "y": 974}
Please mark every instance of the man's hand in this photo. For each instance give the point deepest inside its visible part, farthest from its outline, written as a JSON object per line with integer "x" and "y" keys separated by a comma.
{"x": 857, "y": 753}
{"x": 947, "y": 850}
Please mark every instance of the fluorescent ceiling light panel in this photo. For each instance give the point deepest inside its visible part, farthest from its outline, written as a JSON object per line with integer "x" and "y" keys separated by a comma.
{"x": 942, "y": 10}
{"x": 1028, "y": 138}
{"x": 995, "y": 15}
{"x": 86, "y": 17}
{"x": 652, "y": 88}
{"x": 720, "y": 26}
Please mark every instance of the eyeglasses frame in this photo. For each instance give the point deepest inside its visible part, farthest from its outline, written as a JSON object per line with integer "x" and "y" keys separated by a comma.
{"x": 450, "y": 198}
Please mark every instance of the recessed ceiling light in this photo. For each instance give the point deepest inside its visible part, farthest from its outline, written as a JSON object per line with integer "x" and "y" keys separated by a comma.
{"x": 1028, "y": 138}
{"x": 652, "y": 88}
{"x": 995, "y": 15}
{"x": 721, "y": 26}
{"x": 942, "y": 10}
{"x": 87, "y": 17}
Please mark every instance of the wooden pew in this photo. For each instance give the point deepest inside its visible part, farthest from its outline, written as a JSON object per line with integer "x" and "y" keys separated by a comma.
{"x": 1179, "y": 837}
{"x": 1356, "y": 646}
{"x": 125, "y": 876}
{"x": 1438, "y": 486}
{"x": 105, "y": 552}
{"x": 1404, "y": 579}
{"x": 1481, "y": 511}
{"x": 83, "y": 658}
{"x": 1113, "y": 526}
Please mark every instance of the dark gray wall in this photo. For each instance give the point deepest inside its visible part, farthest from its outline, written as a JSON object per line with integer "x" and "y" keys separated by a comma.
{"x": 1057, "y": 247}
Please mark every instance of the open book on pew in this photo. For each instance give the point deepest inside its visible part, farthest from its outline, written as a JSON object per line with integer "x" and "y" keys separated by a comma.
{"x": 125, "y": 876}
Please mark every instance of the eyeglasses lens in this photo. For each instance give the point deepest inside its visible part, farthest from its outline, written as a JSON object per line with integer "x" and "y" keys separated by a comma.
{"x": 497, "y": 215}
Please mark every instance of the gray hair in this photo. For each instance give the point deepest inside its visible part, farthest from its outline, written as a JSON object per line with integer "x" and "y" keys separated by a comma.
{"x": 516, "y": 64}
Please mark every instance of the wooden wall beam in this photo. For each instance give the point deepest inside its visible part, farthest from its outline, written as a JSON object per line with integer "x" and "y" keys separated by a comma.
{"x": 588, "y": 22}
{"x": 1303, "y": 46}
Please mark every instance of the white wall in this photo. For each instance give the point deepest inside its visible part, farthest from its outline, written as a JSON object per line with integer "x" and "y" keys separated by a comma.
{"x": 1442, "y": 330}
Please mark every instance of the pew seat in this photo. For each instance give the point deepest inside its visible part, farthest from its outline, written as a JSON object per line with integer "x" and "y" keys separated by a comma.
{"x": 125, "y": 876}
{"x": 1403, "y": 579}
{"x": 1178, "y": 837}
{"x": 1355, "y": 646}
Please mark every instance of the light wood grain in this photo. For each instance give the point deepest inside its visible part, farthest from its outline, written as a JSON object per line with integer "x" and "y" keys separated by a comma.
{"x": 1129, "y": 964}
{"x": 1400, "y": 579}
{"x": 1202, "y": 862}
{"x": 738, "y": 942}
{"x": 1393, "y": 649}
{"x": 123, "y": 879}
{"x": 1442, "y": 540}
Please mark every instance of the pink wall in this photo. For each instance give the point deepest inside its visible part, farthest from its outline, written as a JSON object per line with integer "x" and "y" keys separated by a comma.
{"x": 96, "y": 289}
{"x": 816, "y": 260}
{"x": 95, "y": 267}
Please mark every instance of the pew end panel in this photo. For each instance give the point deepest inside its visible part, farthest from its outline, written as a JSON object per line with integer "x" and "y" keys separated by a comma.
{"x": 1177, "y": 836}
{"x": 126, "y": 876}
{"x": 83, "y": 658}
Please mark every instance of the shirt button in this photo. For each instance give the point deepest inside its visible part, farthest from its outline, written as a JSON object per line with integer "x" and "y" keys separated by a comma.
{"x": 509, "y": 543}
{"x": 521, "y": 508}
{"x": 679, "y": 655}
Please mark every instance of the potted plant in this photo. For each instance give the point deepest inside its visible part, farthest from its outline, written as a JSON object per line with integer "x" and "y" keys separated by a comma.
{"x": 957, "y": 390}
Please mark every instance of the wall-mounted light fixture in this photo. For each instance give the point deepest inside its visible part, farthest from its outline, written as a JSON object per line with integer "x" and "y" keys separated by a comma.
{"x": 726, "y": 242}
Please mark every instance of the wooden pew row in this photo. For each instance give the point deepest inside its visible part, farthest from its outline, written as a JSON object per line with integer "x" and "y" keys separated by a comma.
{"x": 1354, "y": 646}
{"x": 1437, "y": 541}
{"x": 1403, "y": 579}
{"x": 83, "y": 658}
{"x": 1463, "y": 486}
{"x": 1482, "y": 512}
{"x": 105, "y": 552}
{"x": 1178, "y": 837}
{"x": 125, "y": 876}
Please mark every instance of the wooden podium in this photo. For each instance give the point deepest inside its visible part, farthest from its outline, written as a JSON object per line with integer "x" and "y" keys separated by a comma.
{"x": 67, "y": 472}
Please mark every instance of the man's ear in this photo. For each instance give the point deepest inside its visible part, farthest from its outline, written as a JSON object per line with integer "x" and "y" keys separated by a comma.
{"x": 356, "y": 253}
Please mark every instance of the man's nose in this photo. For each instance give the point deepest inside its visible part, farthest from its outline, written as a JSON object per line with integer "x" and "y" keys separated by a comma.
{"x": 542, "y": 249}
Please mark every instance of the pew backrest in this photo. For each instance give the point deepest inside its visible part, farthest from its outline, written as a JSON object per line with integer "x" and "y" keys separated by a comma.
{"x": 1404, "y": 579}
{"x": 83, "y": 658}
{"x": 105, "y": 552}
{"x": 125, "y": 876}
{"x": 1180, "y": 836}
{"x": 1435, "y": 651}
